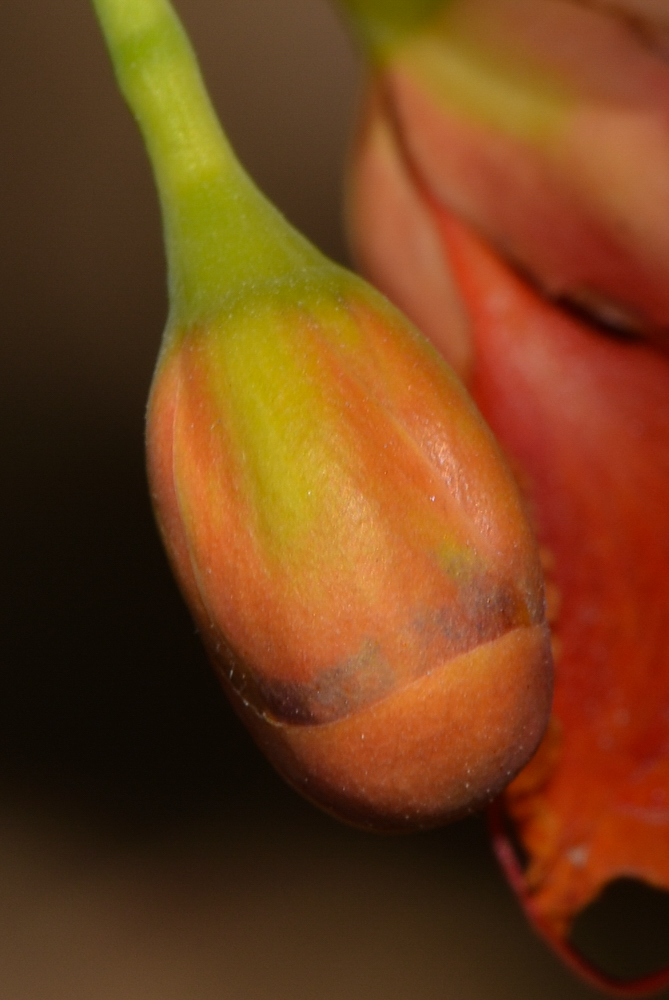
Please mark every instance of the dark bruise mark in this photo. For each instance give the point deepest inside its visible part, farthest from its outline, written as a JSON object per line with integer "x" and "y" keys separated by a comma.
{"x": 497, "y": 607}
{"x": 358, "y": 681}
{"x": 484, "y": 610}
{"x": 336, "y": 692}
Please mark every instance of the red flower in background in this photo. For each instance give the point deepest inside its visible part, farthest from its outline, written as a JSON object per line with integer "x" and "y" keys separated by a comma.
{"x": 510, "y": 192}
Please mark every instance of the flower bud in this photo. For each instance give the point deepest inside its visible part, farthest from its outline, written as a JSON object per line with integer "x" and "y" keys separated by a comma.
{"x": 343, "y": 526}
{"x": 354, "y": 550}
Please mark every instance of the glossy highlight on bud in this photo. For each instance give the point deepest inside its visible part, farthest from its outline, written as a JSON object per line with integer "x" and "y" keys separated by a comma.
{"x": 345, "y": 531}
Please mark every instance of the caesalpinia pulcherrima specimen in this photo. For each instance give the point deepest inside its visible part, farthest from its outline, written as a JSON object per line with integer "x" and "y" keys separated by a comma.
{"x": 345, "y": 531}
{"x": 511, "y": 192}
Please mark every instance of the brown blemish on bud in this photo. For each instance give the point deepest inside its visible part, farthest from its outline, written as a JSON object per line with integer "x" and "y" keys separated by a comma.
{"x": 414, "y": 758}
{"x": 485, "y": 611}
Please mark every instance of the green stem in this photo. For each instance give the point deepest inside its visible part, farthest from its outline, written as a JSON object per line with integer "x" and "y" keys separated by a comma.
{"x": 220, "y": 233}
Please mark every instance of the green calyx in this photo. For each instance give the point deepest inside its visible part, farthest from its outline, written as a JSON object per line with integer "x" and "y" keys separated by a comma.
{"x": 223, "y": 238}
{"x": 385, "y": 24}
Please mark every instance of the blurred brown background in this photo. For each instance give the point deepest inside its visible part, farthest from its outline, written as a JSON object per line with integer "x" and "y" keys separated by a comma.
{"x": 146, "y": 850}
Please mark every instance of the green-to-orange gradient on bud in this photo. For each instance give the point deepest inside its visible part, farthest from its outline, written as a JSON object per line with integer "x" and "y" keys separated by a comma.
{"x": 338, "y": 514}
{"x": 545, "y": 125}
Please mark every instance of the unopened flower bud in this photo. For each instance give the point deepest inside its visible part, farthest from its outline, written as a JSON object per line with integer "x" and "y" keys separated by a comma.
{"x": 344, "y": 528}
